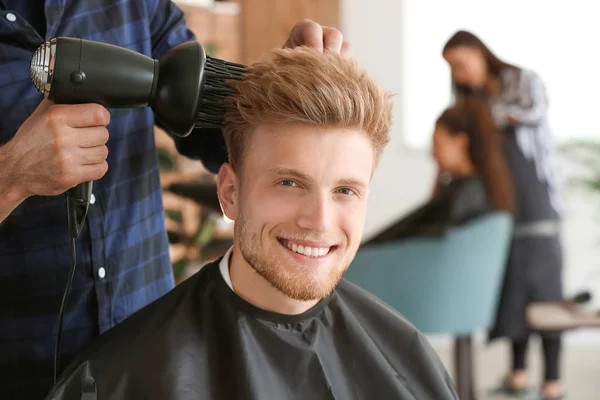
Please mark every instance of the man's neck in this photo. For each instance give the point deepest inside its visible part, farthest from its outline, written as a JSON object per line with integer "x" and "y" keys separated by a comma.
{"x": 256, "y": 290}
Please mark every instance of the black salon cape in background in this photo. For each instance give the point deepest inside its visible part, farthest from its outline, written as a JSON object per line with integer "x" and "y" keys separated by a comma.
{"x": 202, "y": 341}
{"x": 458, "y": 201}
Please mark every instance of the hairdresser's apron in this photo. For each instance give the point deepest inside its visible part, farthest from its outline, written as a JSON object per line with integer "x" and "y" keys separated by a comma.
{"x": 534, "y": 268}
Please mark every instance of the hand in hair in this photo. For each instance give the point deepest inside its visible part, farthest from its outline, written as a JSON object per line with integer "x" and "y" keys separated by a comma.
{"x": 321, "y": 38}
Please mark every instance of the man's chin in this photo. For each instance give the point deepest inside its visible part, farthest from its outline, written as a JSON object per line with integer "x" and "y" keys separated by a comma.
{"x": 305, "y": 295}
{"x": 295, "y": 278}
{"x": 305, "y": 288}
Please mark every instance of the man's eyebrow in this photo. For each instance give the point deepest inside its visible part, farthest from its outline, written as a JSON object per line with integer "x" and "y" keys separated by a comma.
{"x": 352, "y": 182}
{"x": 280, "y": 171}
{"x": 294, "y": 173}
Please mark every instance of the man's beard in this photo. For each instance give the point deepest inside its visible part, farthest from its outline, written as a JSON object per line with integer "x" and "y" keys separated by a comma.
{"x": 304, "y": 284}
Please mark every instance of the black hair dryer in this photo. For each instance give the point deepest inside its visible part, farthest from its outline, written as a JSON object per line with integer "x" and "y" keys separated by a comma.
{"x": 185, "y": 88}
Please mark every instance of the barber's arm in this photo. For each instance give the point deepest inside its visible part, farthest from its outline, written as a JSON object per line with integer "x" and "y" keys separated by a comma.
{"x": 530, "y": 107}
{"x": 11, "y": 195}
{"x": 169, "y": 29}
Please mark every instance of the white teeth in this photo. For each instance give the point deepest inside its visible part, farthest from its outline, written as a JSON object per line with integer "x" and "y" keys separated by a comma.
{"x": 308, "y": 251}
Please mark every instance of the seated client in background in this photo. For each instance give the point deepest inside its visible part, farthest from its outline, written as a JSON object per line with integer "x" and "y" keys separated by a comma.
{"x": 472, "y": 174}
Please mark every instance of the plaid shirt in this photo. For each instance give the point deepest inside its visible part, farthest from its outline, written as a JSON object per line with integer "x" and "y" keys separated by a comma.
{"x": 122, "y": 253}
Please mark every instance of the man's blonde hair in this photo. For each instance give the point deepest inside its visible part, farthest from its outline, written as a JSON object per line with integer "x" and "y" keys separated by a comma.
{"x": 304, "y": 86}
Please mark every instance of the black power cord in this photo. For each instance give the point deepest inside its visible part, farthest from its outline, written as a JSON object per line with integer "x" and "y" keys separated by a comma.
{"x": 61, "y": 314}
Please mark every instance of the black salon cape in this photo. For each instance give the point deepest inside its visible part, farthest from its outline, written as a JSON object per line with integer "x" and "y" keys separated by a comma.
{"x": 202, "y": 341}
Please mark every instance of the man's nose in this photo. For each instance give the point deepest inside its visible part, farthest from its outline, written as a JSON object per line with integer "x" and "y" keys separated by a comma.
{"x": 316, "y": 213}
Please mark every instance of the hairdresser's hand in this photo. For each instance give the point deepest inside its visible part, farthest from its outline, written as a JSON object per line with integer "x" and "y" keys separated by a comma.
{"x": 321, "y": 38}
{"x": 58, "y": 147}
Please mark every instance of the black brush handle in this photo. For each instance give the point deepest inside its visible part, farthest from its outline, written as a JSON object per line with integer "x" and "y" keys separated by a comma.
{"x": 176, "y": 101}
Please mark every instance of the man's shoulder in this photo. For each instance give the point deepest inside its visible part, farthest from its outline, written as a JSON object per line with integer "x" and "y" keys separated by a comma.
{"x": 146, "y": 323}
{"x": 402, "y": 344}
{"x": 372, "y": 312}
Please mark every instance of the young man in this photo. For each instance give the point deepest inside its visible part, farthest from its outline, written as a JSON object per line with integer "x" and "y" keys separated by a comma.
{"x": 272, "y": 319}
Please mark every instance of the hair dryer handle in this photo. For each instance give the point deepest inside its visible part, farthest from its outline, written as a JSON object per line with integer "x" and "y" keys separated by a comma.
{"x": 78, "y": 202}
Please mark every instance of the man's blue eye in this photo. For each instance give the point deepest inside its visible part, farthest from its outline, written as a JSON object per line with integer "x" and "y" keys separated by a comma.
{"x": 346, "y": 191}
{"x": 287, "y": 182}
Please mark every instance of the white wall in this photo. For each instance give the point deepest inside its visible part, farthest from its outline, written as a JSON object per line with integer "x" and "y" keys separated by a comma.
{"x": 376, "y": 32}
{"x": 560, "y": 46}
{"x": 400, "y": 41}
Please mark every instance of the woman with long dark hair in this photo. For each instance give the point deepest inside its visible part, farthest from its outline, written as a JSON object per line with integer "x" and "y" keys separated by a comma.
{"x": 473, "y": 176}
{"x": 467, "y": 145}
{"x": 517, "y": 100}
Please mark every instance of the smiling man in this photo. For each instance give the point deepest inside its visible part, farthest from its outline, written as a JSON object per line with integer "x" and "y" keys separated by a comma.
{"x": 273, "y": 318}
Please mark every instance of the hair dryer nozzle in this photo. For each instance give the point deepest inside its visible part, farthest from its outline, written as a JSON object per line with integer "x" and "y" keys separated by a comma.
{"x": 192, "y": 89}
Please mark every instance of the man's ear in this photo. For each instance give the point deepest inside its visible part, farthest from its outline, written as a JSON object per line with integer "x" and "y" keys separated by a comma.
{"x": 228, "y": 191}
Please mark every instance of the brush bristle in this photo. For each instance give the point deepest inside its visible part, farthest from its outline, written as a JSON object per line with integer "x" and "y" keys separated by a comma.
{"x": 216, "y": 91}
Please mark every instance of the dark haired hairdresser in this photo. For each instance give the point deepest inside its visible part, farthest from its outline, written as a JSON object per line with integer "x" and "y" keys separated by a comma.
{"x": 517, "y": 99}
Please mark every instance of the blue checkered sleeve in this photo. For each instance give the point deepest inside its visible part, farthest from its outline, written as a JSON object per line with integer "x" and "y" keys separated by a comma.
{"x": 122, "y": 252}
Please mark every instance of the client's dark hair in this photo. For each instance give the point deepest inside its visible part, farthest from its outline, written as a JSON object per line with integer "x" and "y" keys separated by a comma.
{"x": 494, "y": 64}
{"x": 486, "y": 148}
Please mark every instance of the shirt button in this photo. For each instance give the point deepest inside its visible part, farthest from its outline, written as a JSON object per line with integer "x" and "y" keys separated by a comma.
{"x": 92, "y": 199}
{"x": 101, "y": 272}
{"x": 11, "y": 17}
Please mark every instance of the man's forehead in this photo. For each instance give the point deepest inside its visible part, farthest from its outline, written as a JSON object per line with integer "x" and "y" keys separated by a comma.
{"x": 311, "y": 150}
{"x": 309, "y": 136}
